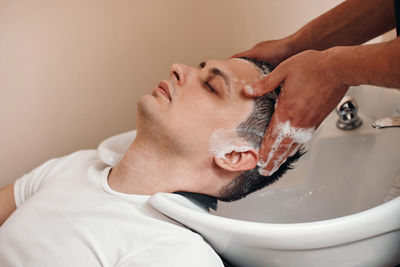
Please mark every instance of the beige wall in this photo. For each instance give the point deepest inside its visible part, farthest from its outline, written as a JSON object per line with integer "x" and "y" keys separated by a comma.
{"x": 72, "y": 71}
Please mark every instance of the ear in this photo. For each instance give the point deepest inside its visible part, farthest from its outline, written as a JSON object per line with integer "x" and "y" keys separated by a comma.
{"x": 238, "y": 161}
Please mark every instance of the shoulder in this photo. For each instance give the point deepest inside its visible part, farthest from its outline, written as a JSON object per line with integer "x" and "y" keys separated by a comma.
{"x": 177, "y": 251}
{"x": 58, "y": 163}
{"x": 196, "y": 251}
{"x": 81, "y": 157}
{"x": 73, "y": 165}
{"x": 78, "y": 156}
{"x": 30, "y": 183}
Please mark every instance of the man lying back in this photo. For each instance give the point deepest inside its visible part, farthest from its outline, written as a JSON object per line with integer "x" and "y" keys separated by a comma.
{"x": 195, "y": 133}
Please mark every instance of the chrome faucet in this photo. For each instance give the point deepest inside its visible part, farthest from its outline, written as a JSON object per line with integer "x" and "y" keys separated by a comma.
{"x": 386, "y": 122}
{"x": 347, "y": 112}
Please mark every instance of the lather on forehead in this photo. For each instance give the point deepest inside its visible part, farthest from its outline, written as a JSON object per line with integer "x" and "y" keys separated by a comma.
{"x": 263, "y": 68}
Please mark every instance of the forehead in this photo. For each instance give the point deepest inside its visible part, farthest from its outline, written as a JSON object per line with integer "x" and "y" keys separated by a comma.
{"x": 238, "y": 69}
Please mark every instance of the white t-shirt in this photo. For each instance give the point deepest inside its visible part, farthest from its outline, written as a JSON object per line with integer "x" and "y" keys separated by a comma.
{"x": 67, "y": 215}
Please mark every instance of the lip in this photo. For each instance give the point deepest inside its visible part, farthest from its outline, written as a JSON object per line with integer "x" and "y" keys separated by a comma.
{"x": 165, "y": 89}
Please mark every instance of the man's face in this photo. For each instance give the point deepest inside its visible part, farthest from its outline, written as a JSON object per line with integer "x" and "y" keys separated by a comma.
{"x": 184, "y": 110}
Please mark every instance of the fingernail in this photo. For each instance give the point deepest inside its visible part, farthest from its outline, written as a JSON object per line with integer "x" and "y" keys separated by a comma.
{"x": 274, "y": 170}
{"x": 263, "y": 172}
{"x": 249, "y": 89}
{"x": 261, "y": 163}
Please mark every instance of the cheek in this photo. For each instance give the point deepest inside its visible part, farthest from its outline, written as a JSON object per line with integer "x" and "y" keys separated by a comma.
{"x": 200, "y": 113}
{"x": 199, "y": 107}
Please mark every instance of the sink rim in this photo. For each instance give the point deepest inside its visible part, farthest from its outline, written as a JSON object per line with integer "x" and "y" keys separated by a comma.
{"x": 304, "y": 235}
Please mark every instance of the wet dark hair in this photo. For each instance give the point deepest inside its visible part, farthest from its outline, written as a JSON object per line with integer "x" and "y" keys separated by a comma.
{"x": 252, "y": 130}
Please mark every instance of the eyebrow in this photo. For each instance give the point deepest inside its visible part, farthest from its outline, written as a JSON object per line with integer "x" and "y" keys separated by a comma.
{"x": 218, "y": 72}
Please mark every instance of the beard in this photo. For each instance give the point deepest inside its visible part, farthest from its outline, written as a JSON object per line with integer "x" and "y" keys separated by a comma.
{"x": 170, "y": 129}
{"x": 154, "y": 125}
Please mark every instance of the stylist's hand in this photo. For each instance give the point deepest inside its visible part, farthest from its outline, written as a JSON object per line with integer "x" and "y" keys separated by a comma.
{"x": 273, "y": 52}
{"x": 311, "y": 87}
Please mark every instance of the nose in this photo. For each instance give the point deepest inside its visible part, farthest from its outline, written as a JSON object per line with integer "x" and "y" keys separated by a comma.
{"x": 179, "y": 72}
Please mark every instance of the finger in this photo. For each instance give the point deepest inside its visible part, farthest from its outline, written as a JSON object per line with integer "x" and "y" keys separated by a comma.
{"x": 279, "y": 156}
{"x": 241, "y": 54}
{"x": 265, "y": 85}
{"x": 282, "y": 159}
{"x": 253, "y": 53}
{"x": 295, "y": 147}
{"x": 269, "y": 141}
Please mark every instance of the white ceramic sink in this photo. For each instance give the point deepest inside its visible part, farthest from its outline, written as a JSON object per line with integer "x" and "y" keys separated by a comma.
{"x": 344, "y": 172}
{"x": 333, "y": 209}
{"x": 328, "y": 211}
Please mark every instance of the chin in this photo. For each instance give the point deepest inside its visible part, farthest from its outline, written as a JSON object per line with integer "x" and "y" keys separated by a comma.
{"x": 150, "y": 118}
{"x": 148, "y": 108}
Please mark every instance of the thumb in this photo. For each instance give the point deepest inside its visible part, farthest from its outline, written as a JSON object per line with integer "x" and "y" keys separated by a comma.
{"x": 247, "y": 53}
{"x": 265, "y": 85}
{"x": 254, "y": 52}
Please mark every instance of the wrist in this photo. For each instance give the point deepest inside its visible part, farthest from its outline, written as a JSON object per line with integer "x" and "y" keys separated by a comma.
{"x": 295, "y": 43}
{"x": 374, "y": 64}
{"x": 343, "y": 63}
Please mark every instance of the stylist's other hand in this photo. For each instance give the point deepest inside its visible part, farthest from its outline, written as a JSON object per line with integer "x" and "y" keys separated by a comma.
{"x": 311, "y": 87}
{"x": 273, "y": 52}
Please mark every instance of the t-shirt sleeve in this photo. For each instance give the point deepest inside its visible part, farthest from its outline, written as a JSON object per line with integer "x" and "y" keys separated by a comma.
{"x": 27, "y": 185}
{"x": 175, "y": 252}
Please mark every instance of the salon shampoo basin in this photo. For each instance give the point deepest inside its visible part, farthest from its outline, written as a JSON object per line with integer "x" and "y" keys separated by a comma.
{"x": 337, "y": 207}
{"x": 331, "y": 210}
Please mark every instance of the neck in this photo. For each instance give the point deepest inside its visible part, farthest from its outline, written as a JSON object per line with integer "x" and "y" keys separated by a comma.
{"x": 147, "y": 169}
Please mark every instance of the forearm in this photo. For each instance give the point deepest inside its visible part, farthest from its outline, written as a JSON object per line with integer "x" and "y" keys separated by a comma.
{"x": 376, "y": 64}
{"x": 351, "y": 23}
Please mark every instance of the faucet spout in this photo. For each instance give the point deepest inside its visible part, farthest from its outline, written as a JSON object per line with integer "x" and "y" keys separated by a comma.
{"x": 386, "y": 122}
